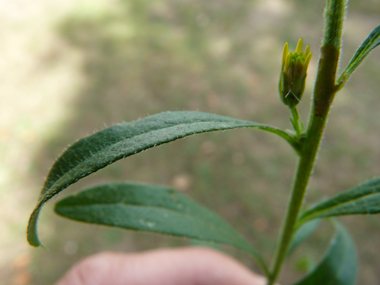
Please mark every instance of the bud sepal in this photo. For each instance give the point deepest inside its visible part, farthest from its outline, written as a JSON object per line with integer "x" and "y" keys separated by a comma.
{"x": 293, "y": 74}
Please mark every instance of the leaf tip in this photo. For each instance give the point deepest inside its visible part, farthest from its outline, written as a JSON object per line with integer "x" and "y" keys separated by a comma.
{"x": 31, "y": 233}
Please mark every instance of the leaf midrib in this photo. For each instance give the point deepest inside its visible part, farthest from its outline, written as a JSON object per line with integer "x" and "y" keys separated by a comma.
{"x": 318, "y": 212}
{"x": 120, "y": 156}
{"x": 225, "y": 231}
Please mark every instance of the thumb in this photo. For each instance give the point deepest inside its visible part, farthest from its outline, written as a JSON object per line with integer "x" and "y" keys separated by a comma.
{"x": 184, "y": 266}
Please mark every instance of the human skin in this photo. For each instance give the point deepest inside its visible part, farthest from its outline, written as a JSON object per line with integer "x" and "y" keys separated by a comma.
{"x": 184, "y": 266}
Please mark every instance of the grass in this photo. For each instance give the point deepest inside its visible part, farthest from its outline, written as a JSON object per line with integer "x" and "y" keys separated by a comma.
{"x": 73, "y": 68}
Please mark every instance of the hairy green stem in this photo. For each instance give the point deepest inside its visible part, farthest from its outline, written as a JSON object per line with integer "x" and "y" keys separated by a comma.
{"x": 324, "y": 93}
{"x": 295, "y": 120}
{"x": 304, "y": 169}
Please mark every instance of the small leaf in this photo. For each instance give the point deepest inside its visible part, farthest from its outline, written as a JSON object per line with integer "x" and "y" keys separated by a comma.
{"x": 339, "y": 266}
{"x": 95, "y": 152}
{"x": 151, "y": 208}
{"x": 372, "y": 41}
{"x": 302, "y": 233}
{"x": 363, "y": 199}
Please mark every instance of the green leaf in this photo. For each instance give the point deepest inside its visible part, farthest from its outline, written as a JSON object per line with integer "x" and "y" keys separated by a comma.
{"x": 363, "y": 199}
{"x": 302, "y": 233}
{"x": 339, "y": 266}
{"x": 372, "y": 41}
{"x": 151, "y": 208}
{"x": 109, "y": 145}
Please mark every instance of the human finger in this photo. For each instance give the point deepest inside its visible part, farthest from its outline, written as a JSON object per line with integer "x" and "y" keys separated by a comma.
{"x": 184, "y": 266}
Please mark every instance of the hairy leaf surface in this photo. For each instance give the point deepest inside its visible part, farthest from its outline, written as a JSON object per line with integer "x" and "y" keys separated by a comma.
{"x": 151, "y": 208}
{"x": 109, "y": 145}
{"x": 372, "y": 41}
{"x": 363, "y": 199}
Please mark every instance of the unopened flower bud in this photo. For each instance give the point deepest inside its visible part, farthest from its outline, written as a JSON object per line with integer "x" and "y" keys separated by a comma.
{"x": 293, "y": 74}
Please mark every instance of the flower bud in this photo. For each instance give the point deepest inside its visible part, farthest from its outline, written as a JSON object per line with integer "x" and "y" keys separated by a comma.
{"x": 293, "y": 74}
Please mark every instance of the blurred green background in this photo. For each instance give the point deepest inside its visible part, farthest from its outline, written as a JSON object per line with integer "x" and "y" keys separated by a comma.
{"x": 68, "y": 68}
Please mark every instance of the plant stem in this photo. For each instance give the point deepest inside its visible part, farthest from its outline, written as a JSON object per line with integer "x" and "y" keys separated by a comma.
{"x": 304, "y": 169}
{"x": 324, "y": 93}
{"x": 295, "y": 120}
